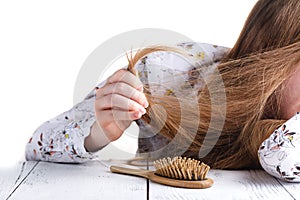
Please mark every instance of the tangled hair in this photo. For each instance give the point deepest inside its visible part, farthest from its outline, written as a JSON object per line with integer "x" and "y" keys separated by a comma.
{"x": 254, "y": 74}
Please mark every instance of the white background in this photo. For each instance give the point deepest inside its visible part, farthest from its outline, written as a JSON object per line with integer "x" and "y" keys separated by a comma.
{"x": 43, "y": 45}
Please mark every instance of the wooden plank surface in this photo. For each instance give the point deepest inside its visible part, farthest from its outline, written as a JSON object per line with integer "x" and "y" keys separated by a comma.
{"x": 292, "y": 188}
{"x": 228, "y": 185}
{"x": 91, "y": 180}
{"x": 11, "y": 177}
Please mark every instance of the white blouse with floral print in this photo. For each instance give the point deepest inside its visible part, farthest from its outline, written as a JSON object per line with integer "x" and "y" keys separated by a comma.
{"x": 61, "y": 139}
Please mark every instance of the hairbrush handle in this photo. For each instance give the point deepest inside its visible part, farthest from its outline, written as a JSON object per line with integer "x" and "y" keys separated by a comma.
{"x": 128, "y": 171}
{"x": 163, "y": 180}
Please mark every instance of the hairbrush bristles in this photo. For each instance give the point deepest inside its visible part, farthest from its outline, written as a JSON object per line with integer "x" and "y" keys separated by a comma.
{"x": 181, "y": 168}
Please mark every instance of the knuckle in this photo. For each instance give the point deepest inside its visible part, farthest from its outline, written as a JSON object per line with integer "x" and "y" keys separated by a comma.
{"x": 112, "y": 78}
{"x": 117, "y": 75}
{"x": 120, "y": 72}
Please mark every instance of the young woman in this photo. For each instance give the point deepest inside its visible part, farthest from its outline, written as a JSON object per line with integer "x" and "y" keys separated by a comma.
{"x": 260, "y": 80}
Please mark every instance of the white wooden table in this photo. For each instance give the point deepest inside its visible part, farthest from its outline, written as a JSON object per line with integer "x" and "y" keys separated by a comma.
{"x": 93, "y": 180}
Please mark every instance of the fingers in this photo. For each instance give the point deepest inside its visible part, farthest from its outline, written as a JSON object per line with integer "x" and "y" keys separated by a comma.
{"x": 125, "y": 77}
{"x": 124, "y": 90}
{"x": 113, "y": 122}
{"x": 119, "y": 102}
{"x": 108, "y": 116}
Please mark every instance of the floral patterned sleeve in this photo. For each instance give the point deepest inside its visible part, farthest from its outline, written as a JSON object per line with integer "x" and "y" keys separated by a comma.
{"x": 279, "y": 154}
{"x": 61, "y": 139}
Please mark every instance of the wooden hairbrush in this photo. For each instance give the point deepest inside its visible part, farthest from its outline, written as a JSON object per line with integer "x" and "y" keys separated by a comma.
{"x": 177, "y": 171}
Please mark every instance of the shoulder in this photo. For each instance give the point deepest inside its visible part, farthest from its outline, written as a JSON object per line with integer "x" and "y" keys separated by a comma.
{"x": 200, "y": 53}
{"x": 204, "y": 53}
{"x": 173, "y": 73}
{"x": 279, "y": 154}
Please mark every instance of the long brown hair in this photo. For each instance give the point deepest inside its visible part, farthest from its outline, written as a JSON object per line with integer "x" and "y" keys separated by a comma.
{"x": 254, "y": 74}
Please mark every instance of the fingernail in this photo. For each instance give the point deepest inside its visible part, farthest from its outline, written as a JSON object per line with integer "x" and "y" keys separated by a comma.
{"x": 146, "y": 104}
{"x": 142, "y": 110}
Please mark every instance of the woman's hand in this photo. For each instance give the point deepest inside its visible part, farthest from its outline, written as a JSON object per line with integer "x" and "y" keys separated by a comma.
{"x": 120, "y": 101}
